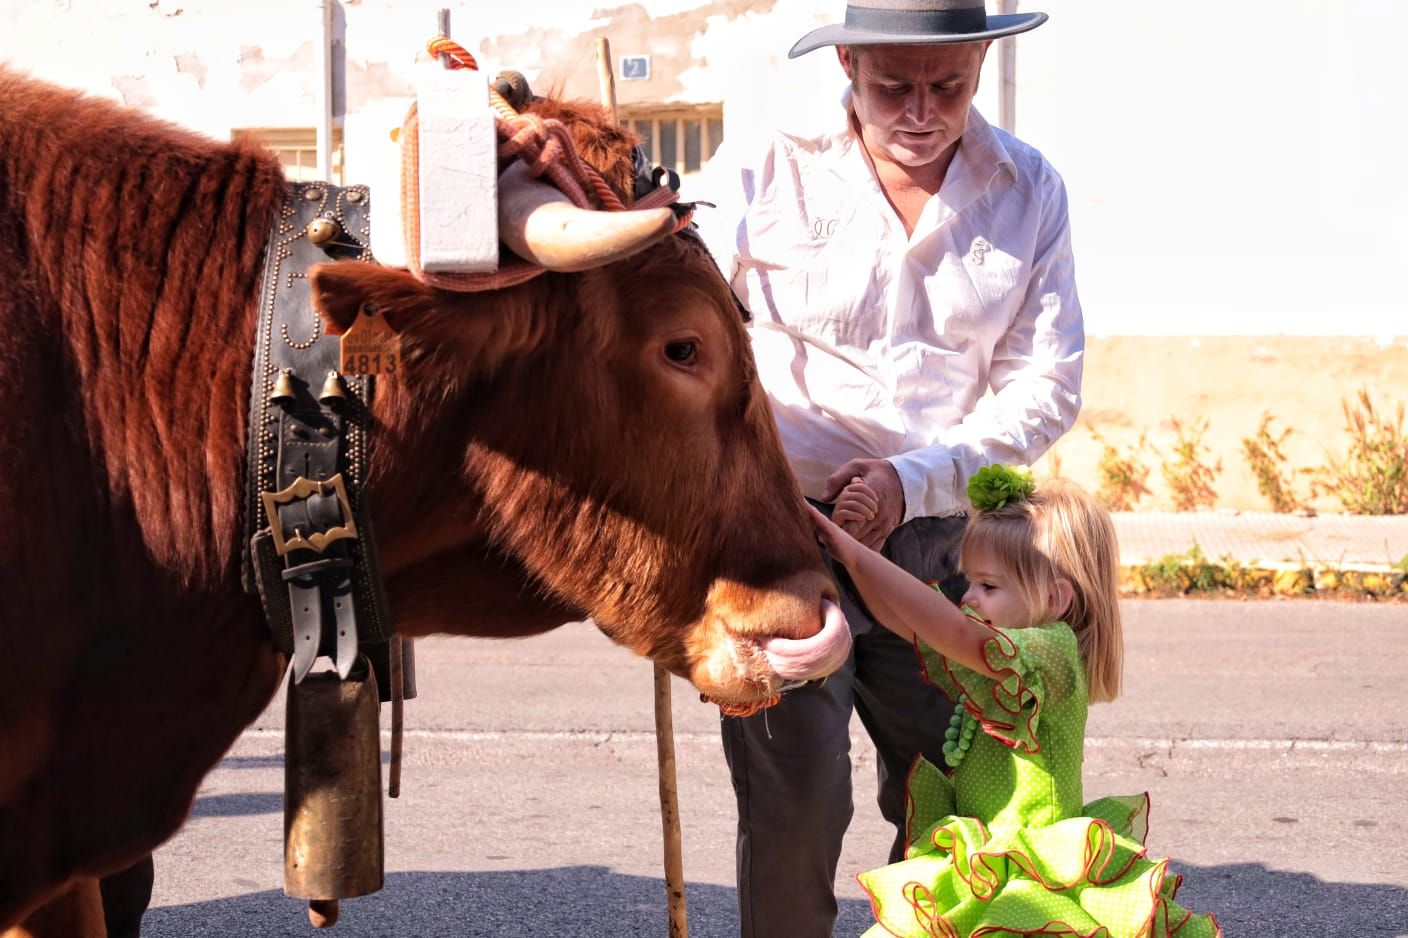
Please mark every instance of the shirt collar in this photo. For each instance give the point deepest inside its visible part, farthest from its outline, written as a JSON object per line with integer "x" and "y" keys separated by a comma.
{"x": 981, "y": 157}
{"x": 983, "y": 151}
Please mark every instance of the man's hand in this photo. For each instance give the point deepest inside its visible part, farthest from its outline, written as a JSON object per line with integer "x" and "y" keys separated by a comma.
{"x": 884, "y": 481}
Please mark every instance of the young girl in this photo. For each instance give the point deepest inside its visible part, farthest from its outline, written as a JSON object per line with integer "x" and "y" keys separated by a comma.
{"x": 999, "y": 841}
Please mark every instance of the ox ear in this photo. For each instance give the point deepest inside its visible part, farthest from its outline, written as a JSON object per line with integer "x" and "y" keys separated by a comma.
{"x": 341, "y": 289}
{"x": 438, "y": 328}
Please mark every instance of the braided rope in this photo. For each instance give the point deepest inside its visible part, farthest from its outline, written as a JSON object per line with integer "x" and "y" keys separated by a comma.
{"x": 457, "y": 56}
{"x": 544, "y": 146}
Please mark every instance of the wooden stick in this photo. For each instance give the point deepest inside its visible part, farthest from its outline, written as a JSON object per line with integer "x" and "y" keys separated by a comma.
{"x": 605, "y": 77}
{"x": 664, "y": 725}
{"x": 669, "y": 806}
{"x": 398, "y": 701}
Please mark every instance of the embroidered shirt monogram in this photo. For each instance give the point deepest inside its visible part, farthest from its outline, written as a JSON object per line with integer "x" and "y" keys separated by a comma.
{"x": 978, "y": 251}
{"x": 823, "y": 228}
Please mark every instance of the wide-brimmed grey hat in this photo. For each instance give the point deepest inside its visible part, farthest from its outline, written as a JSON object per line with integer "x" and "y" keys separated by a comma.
{"x": 916, "y": 22}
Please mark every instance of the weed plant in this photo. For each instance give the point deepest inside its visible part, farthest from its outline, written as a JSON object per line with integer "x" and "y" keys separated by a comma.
{"x": 1122, "y": 474}
{"x": 1372, "y": 479}
{"x": 1268, "y": 464}
{"x": 1194, "y": 572}
{"x": 1189, "y": 475}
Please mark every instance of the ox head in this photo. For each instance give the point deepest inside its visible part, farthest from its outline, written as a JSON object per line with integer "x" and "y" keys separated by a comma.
{"x": 594, "y": 443}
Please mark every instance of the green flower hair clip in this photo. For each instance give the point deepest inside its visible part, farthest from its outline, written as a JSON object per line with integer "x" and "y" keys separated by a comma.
{"x": 994, "y": 486}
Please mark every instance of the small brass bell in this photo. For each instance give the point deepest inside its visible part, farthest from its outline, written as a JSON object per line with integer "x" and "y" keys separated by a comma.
{"x": 284, "y": 393}
{"x": 332, "y": 394}
{"x": 323, "y": 230}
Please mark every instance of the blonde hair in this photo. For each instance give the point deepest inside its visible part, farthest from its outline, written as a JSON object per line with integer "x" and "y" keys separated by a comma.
{"x": 1061, "y": 531}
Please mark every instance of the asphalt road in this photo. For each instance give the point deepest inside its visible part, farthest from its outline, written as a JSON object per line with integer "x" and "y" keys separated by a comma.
{"x": 1272, "y": 736}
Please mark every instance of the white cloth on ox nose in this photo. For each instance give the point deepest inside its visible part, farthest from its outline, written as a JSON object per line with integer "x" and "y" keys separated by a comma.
{"x": 804, "y": 659}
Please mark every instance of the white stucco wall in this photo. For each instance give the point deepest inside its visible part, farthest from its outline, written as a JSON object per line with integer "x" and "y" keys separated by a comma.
{"x": 1233, "y": 169}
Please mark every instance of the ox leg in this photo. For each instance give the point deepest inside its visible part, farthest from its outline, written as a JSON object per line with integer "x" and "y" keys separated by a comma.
{"x": 77, "y": 912}
{"x": 126, "y": 895}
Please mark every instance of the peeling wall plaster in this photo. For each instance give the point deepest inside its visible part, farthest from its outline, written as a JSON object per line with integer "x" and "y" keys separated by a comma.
{"x": 191, "y": 64}
{"x": 566, "y": 59}
{"x": 1218, "y": 183}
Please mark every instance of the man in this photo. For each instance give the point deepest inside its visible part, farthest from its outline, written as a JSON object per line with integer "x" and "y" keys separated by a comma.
{"x": 897, "y": 270}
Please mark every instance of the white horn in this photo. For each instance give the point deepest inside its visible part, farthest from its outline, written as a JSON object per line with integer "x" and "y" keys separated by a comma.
{"x": 541, "y": 225}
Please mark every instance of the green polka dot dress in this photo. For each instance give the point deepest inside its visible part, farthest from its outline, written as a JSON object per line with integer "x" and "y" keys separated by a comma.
{"x": 1002, "y": 845}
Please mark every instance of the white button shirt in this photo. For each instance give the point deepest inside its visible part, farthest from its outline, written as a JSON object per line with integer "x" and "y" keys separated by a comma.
{"x": 874, "y": 343}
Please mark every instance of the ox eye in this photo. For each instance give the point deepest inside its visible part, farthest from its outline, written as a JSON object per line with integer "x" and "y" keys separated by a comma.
{"x": 683, "y": 352}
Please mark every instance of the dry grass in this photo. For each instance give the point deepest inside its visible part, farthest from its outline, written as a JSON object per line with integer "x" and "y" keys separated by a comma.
{"x": 1139, "y": 385}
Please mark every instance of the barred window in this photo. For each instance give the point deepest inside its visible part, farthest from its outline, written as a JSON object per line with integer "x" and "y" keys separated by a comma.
{"x": 679, "y": 137}
{"x": 297, "y": 150}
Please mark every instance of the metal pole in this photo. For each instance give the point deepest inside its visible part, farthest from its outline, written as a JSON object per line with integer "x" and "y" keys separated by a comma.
{"x": 323, "y": 58}
{"x": 1007, "y": 71}
{"x": 442, "y": 29}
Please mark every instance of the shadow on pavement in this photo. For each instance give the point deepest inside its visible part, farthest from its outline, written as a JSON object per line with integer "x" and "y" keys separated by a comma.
{"x": 252, "y": 762}
{"x": 578, "y": 902}
{"x": 1249, "y": 900}
{"x": 242, "y": 805}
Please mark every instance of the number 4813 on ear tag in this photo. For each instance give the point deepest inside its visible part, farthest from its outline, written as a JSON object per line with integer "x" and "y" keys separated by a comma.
{"x": 370, "y": 346}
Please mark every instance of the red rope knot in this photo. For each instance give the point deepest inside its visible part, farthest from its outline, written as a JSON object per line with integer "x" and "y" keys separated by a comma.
{"x": 536, "y": 141}
{"x": 545, "y": 146}
{"x": 457, "y": 56}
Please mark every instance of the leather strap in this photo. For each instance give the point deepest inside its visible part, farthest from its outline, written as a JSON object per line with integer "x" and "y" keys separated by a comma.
{"x": 312, "y": 555}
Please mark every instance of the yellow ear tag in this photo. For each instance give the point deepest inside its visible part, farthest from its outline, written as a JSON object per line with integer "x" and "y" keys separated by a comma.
{"x": 370, "y": 346}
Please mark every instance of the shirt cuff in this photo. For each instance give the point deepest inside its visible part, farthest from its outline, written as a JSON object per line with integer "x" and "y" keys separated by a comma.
{"x": 927, "y": 479}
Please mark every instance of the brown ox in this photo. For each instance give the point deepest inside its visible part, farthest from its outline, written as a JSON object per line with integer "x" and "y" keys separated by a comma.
{"x": 593, "y": 444}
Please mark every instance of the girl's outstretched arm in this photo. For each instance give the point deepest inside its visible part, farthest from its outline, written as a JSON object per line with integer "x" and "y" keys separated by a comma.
{"x": 904, "y": 604}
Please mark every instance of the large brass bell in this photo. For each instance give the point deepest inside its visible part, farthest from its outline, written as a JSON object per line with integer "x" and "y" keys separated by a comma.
{"x": 332, "y": 791}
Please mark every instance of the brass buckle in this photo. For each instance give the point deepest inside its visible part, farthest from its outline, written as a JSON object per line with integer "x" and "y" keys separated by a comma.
{"x": 319, "y": 540}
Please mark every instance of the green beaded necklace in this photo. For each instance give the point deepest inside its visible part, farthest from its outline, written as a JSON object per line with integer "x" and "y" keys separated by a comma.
{"x": 962, "y": 726}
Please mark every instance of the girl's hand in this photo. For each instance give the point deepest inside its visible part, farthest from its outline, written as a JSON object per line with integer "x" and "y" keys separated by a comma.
{"x": 837, "y": 542}
{"x": 884, "y": 482}
{"x": 856, "y": 503}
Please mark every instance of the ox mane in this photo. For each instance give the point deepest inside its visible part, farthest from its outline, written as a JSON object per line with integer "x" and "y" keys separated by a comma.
{"x": 140, "y": 244}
